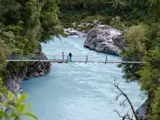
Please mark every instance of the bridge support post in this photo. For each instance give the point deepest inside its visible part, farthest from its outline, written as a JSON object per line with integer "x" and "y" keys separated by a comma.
{"x": 86, "y": 59}
{"x": 54, "y": 58}
{"x": 106, "y": 59}
{"x": 67, "y": 59}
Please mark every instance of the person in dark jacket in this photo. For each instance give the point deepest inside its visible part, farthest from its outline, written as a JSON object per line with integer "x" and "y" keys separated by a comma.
{"x": 70, "y": 56}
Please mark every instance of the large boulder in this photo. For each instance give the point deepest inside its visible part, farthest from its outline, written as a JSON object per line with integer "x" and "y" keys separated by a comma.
{"x": 103, "y": 38}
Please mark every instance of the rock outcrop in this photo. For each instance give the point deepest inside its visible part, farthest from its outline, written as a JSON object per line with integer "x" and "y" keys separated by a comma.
{"x": 103, "y": 38}
{"x": 15, "y": 76}
{"x": 73, "y": 32}
{"x": 80, "y": 29}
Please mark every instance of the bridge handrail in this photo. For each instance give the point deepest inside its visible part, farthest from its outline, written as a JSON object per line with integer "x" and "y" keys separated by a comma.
{"x": 59, "y": 58}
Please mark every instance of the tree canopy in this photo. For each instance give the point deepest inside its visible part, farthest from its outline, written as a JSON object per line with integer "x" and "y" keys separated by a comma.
{"x": 12, "y": 107}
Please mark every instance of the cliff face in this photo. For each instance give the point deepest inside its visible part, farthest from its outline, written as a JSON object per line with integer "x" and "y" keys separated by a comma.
{"x": 15, "y": 76}
{"x": 103, "y": 38}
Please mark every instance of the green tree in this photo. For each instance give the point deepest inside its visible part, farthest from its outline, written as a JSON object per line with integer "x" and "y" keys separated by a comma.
{"x": 49, "y": 20}
{"x": 155, "y": 9}
{"x": 149, "y": 79}
{"x": 155, "y": 106}
{"x": 12, "y": 106}
{"x": 135, "y": 48}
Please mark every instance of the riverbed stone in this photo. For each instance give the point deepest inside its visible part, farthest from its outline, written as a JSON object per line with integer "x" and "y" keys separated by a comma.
{"x": 41, "y": 74}
{"x": 35, "y": 74}
{"x": 74, "y": 32}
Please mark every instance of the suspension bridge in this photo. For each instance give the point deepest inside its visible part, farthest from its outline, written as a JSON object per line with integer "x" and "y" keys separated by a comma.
{"x": 66, "y": 59}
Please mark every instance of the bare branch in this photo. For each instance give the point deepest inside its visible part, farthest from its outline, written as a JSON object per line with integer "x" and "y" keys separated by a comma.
{"x": 132, "y": 108}
{"x": 123, "y": 117}
{"x": 118, "y": 113}
{"x": 123, "y": 102}
{"x": 118, "y": 97}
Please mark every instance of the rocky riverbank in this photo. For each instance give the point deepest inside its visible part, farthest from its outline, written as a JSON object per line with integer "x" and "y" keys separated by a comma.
{"x": 80, "y": 29}
{"x": 15, "y": 76}
{"x": 75, "y": 33}
{"x": 103, "y": 38}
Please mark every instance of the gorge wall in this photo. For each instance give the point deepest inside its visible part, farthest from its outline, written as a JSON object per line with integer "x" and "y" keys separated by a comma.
{"x": 15, "y": 76}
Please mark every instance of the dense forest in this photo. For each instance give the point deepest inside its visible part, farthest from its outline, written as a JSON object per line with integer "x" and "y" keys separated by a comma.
{"x": 24, "y": 24}
{"x": 131, "y": 12}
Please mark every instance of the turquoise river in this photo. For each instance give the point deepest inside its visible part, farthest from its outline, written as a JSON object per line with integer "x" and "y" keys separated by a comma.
{"x": 79, "y": 91}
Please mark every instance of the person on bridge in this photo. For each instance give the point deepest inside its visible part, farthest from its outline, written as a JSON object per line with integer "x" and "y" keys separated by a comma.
{"x": 70, "y": 56}
{"x": 62, "y": 55}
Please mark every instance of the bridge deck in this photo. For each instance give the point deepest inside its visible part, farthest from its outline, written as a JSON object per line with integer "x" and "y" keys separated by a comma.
{"x": 74, "y": 61}
{"x": 60, "y": 59}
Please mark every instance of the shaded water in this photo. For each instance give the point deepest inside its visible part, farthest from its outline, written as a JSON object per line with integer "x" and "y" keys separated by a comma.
{"x": 79, "y": 91}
